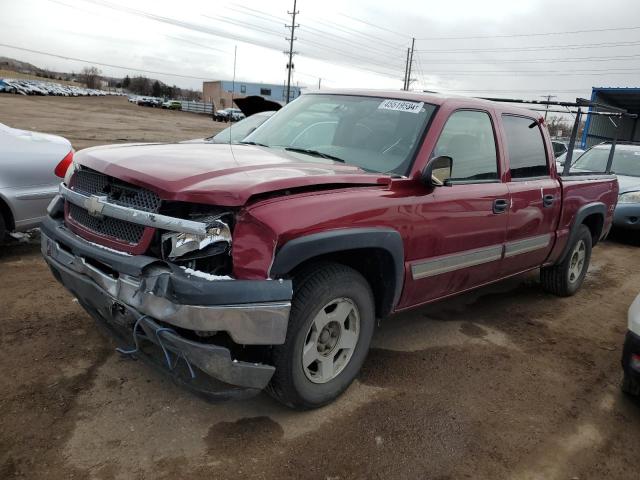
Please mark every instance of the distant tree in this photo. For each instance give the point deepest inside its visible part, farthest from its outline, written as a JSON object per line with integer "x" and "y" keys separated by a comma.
{"x": 126, "y": 82}
{"x": 91, "y": 77}
{"x": 140, "y": 85}
{"x": 156, "y": 89}
{"x": 559, "y": 126}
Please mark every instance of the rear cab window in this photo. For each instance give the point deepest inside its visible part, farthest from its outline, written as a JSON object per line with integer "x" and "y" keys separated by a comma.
{"x": 525, "y": 147}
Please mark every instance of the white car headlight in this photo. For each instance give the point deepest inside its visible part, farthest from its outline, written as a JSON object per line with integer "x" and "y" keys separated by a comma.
{"x": 629, "y": 197}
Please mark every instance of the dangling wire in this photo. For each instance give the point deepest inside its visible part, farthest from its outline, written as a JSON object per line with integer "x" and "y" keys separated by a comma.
{"x": 165, "y": 351}
{"x": 135, "y": 339}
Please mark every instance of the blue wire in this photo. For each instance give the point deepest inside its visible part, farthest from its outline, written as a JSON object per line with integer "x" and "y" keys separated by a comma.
{"x": 167, "y": 357}
{"x": 135, "y": 339}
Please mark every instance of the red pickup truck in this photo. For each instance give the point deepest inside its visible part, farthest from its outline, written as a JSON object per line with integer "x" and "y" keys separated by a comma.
{"x": 265, "y": 265}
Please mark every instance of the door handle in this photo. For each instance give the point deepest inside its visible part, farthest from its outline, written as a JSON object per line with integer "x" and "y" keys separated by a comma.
{"x": 500, "y": 205}
{"x": 548, "y": 200}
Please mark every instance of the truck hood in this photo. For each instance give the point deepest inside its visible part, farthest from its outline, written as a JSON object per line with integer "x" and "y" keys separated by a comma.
{"x": 219, "y": 174}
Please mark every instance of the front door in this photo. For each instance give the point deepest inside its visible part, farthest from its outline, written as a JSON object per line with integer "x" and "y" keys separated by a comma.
{"x": 458, "y": 243}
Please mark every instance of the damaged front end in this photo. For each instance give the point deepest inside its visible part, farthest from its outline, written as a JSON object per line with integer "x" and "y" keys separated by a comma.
{"x": 176, "y": 304}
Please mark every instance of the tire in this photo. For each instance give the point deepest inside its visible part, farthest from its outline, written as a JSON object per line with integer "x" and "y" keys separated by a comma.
{"x": 630, "y": 386}
{"x": 322, "y": 296}
{"x": 3, "y": 229}
{"x": 565, "y": 278}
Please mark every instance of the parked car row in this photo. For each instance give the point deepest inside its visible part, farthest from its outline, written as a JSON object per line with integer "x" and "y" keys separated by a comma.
{"x": 228, "y": 115}
{"x": 38, "y": 87}
{"x": 155, "y": 102}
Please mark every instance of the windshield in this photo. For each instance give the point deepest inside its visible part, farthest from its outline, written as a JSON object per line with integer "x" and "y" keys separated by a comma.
{"x": 238, "y": 131}
{"x": 626, "y": 160}
{"x": 376, "y": 134}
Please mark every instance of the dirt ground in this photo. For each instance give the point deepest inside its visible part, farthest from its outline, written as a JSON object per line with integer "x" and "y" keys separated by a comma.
{"x": 89, "y": 121}
{"x": 503, "y": 383}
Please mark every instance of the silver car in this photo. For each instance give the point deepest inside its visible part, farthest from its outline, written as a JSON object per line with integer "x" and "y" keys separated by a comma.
{"x": 27, "y": 179}
{"x": 626, "y": 165}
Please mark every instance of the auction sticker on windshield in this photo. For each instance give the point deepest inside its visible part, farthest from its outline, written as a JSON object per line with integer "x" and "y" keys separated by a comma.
{"x": 401, "y": 106}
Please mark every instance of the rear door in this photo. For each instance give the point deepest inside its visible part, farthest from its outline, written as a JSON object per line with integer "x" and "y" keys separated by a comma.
{"x": 458, "y": 244}
{"x": 535, "y": 195}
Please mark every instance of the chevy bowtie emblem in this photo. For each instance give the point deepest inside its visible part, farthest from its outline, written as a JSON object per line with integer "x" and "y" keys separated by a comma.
{"x": 95, "y": 204}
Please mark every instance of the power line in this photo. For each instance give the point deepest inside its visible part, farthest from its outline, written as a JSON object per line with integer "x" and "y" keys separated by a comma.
{"x": 206, "y": 30}
{"x": 324, "y": 33}
{"x": 64, "y": 57}
{"x": 537, "y": 34}
{"x": 536, "y": 48}
{"x": 182, "y": 24}
{"x": 404, "y": 35}
{"x": 533, "y": 73}
{"x": 532, "y": 60}
{"x": 361, "y": 58}
{"x": 520, "y": 90}
{"x": 198, "y": 44}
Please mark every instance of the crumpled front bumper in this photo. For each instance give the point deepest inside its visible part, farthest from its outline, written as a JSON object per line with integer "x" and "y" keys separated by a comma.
{"x": 170, "y": 306}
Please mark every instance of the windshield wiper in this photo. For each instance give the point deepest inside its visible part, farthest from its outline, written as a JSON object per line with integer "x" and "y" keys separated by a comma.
{"x": 254, "y": 143}
{"x": 315, "y": 153}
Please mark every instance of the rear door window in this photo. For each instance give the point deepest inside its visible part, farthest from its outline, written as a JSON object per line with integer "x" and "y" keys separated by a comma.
{"x": 525, "y": 147}
{"x": 468, "y": 139}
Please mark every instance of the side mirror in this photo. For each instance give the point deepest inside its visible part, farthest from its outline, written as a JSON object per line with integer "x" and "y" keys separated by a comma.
{"x": 437, "y": 171}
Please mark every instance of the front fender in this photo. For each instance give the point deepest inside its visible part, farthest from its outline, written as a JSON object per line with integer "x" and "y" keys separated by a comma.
{"x": 307, "y": 247}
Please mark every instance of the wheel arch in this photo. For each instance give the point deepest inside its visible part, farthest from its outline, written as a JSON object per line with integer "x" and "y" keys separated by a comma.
{"x": 377, "y": 253}
{"x": 592, "y": 216}
{"x": 7, "y": 214}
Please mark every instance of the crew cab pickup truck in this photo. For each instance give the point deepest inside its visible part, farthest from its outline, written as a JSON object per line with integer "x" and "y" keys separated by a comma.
{"x": 266, "y": 265}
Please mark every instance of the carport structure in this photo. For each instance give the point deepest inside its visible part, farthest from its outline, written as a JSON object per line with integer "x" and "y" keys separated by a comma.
{"x": 600, "y": 129}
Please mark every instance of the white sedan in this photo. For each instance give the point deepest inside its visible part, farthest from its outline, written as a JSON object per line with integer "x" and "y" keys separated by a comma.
{"x": 631, "y": 352}
{"x": 29, "y": 163}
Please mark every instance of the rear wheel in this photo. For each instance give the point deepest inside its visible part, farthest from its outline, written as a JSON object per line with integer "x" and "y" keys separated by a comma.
{"x": 565, "y": 278}
{"x": 330, "y": 328}
{"x": 3, "y": 229}
{"x": 630, "y": 386}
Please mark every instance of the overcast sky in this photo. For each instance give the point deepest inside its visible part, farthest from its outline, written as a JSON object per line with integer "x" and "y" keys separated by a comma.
{"x": 508, "y": 48}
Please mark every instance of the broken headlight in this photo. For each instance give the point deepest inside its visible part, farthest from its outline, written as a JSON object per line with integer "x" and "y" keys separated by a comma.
{"x": 188, "y": 246}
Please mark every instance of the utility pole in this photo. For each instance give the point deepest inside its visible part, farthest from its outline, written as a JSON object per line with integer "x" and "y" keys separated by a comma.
{"x": 406, "y": 69}
{"x": 546, "y": 109}
{"x": 291, "y": 53}
{"x": 410, "y": 64}
{"x": 233, "y": 82}
{"x": 319, "y": 82}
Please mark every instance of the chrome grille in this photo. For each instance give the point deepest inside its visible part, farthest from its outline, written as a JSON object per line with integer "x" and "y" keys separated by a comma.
{"x": 90, "y": 182}
{"x": 122, "y": 193}
{"x": 112, "y": 227}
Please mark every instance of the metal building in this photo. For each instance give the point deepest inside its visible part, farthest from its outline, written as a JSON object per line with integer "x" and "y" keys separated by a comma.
{"x": 600, "y": 128}
{"x": 219, "y": 92}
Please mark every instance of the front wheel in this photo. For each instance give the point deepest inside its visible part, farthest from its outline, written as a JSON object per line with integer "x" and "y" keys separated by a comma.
{"x": 565, "y": 278}
{"x": 630, "y": 385}
{"x": 328, "y": 337}
{"x": 3, "y": 229}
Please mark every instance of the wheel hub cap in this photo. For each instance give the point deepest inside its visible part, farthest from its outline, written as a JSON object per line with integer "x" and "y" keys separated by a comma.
{"x": 576, "y": 262}
{"x": 331, "y": 340}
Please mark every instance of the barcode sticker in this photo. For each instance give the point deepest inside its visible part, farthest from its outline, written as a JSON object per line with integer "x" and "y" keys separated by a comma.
{"x": 401, "y": 106}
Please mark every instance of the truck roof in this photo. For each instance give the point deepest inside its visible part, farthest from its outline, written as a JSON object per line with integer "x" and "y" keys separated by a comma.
{"x": 433, "y": 98}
